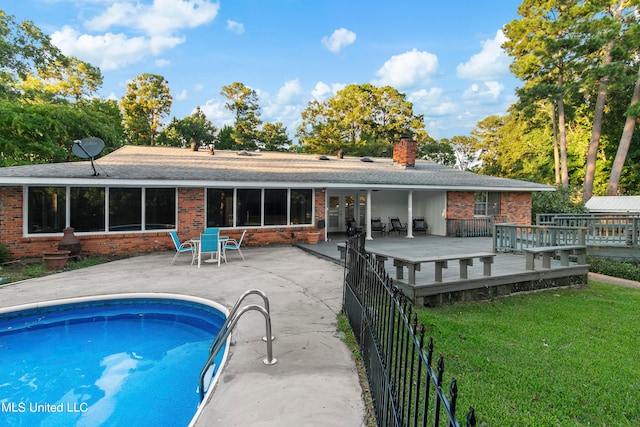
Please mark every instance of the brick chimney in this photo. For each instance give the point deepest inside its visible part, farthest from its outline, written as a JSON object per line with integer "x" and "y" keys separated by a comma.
{"x": 404, "y": 152}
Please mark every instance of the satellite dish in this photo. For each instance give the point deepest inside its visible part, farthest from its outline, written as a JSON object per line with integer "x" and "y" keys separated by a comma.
{"x": 88, "y": 148}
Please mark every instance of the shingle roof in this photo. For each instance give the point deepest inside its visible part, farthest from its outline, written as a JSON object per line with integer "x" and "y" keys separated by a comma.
{"x": 141, "y": 165}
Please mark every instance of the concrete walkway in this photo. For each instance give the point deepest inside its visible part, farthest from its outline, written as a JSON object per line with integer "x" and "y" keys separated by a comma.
{"x": 314, "y": 383}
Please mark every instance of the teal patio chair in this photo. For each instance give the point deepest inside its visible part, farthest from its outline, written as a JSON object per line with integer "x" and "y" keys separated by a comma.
{"x": 209, "y": 243}
{"x": 182, "y": 247}
{"x": 212, "y": 230}
{"x": 233, "y": 244}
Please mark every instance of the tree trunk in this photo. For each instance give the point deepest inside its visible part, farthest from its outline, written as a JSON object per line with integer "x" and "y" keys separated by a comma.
{"x": 556, "y": 152}
{"x": 562, "y": 133}
{"x": 596, "y": 130}
{"x": 625, "y": 143}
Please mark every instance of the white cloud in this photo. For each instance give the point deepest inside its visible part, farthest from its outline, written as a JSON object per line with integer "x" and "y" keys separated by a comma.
{"x": 198, "y": 87}
{"x": 322, "y": 91}
{"x": 162, "y": 63}
{"x": 432, "y": 102}
{"x": 156, "y": 27}
{"x": 338, "y": 40}
{"x": 217, "y": 113}
{"x": 490, "y": 64}
{"x": 289, "y": 92}
{"x": 407, "y": 70}
{"x": 110, "y": 51}
{"x": 182, "y": 95}
{"x": 160, "y": 17}
{"x": 488, "y": 92}
{"x": 235, "y": 27}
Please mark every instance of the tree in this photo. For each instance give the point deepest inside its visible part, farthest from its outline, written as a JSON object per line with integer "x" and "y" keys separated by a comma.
{"x": 24, "y": 49}
{"x": 274, "y": 137}
{"x": 242, "y": 101}
{"x": 359, "y": 118}
{"x": 605, "y": 25}
{"x": 44, "y": 133}
{"x": 437, "y": 151}
{"x": 466, "y": 152}
{"x": 72, "y": 78}
{"x": 633, "y": 112}
{"x": 145, "y": 103}
{"x": 196, "y": 128}
{"x": 543, "y": 48}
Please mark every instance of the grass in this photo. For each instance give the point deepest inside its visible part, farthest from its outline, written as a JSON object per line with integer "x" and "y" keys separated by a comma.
{"x": 566, "y": 357}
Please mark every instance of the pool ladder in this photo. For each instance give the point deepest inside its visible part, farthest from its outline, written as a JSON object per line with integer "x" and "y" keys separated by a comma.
{"x": 230, "y": 323}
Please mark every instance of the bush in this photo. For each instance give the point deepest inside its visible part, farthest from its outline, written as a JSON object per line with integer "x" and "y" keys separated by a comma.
{"x": 4, "y": 253}
{"x": 563, "y": 200}
{"x": 623, "y": 270}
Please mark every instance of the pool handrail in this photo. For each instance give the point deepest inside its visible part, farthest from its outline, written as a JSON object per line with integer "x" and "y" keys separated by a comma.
{"x": 228, "y": 326}
{"x": 233, "y": 311}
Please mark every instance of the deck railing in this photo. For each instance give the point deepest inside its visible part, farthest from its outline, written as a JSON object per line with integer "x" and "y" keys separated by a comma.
{"x": 516, "y": 237}
{"x": 473, "y": 227}
{"x": 601, "y": 229}
{"x": 406, "y": 390}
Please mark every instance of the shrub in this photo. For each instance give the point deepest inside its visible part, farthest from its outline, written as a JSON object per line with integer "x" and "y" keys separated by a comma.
{"x": 623, "y": 270}
{"x": 4, "y": 253}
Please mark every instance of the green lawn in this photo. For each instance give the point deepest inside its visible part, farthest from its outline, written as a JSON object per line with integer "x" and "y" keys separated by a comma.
{"x": 567, "y": 357}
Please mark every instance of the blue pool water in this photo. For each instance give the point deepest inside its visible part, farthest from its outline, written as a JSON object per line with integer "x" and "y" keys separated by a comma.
{"x": 121, "y": 362}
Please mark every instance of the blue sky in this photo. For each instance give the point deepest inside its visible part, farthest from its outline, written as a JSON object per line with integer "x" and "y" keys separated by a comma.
{"x": 444, "y": 55}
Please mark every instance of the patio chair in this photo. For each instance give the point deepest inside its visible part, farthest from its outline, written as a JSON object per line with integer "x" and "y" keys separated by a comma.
{"x": 420, "y": 225}
{"x": 209, "y": 243}
{"x": 212, "y": 230}
{"x": 396, "y": 225}
{"x": 233, "y": 244}
{"x": 377, "y": 225}
{"x": 352, "y": 228}
{"x": 182, "y": 247}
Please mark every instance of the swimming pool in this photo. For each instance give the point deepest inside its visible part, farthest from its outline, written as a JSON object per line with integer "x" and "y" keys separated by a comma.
{"x": 106, "y": 361}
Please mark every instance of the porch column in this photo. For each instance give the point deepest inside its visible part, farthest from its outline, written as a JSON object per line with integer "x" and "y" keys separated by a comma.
{"x": 368, "y": 216}
{"x": 410, "y": 215}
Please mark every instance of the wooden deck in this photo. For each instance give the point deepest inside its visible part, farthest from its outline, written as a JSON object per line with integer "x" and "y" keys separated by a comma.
{"x": 508, "y": 272}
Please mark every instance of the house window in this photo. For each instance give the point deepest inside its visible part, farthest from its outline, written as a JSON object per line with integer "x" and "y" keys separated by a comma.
{"x": 220, "y": 207}
{"x": 160, "y": 209}
{"x": 486, "y": 203}
{"x": 256, "y": 207}
{"x": 46, "y": 211}
{"x": 125, "y": 209}
{"x": 301, "y": 206}
{"x": 275, "y": 207}
{"x": 249, "y": 207}
{"x": 89, "y": 210}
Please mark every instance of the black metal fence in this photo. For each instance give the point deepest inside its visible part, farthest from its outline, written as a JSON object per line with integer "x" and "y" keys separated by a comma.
{"x": 405, "y": 389}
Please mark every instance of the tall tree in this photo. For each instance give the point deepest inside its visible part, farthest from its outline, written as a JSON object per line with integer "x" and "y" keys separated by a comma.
{"x": 633, "y": 112}
{"x": 242, "y": 101}
{"x": 146, "y": 102}
{"x": 606, "y": 23}
{"x": 358, "y": 118}
{"x": 544, "y": 47}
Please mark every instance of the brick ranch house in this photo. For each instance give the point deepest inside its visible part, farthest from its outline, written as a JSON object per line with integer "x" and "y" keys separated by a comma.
{"x": 139, "y": 194}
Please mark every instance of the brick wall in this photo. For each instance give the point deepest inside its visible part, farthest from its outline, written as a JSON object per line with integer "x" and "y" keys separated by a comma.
{"x": 515, "y": 205}
{"x": 190, "y": 223}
